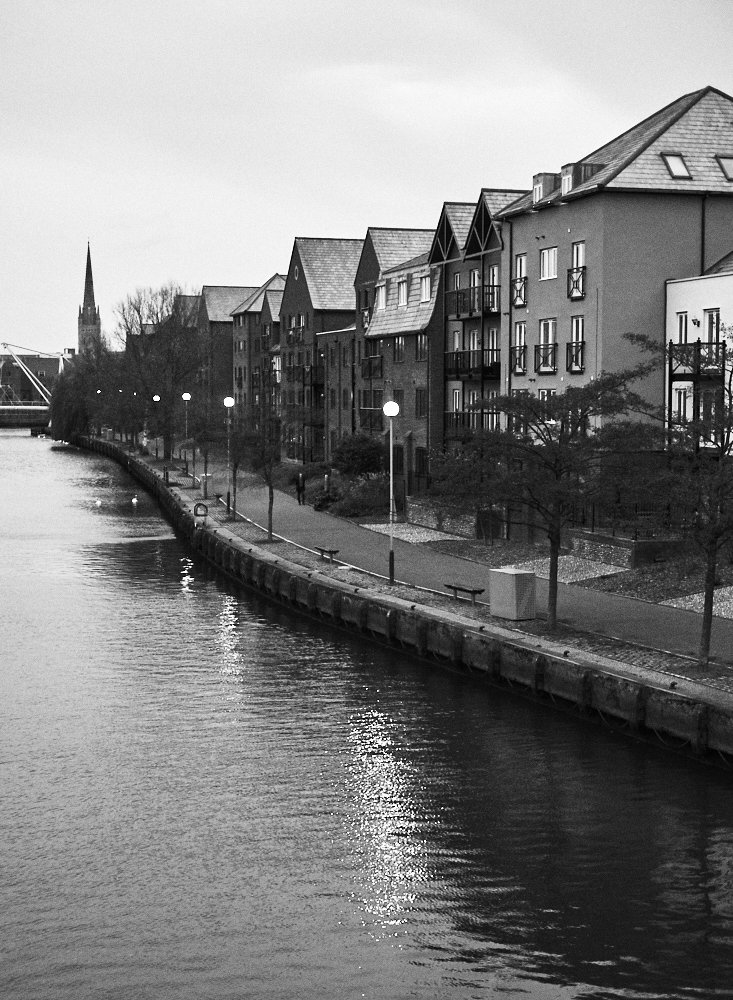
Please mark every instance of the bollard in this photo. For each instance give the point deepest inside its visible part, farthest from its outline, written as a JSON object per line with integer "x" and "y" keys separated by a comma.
{"x": 165, "y": 474}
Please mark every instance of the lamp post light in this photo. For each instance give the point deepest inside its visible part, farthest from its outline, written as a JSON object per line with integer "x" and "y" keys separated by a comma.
{"x": 156, "y": 399}
{"x": 185, "y": 396}
{"x": 229, "y": 403}
{"x": 391, "y": 409}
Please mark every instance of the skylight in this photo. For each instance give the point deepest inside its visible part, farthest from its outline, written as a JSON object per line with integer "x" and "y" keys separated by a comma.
{"x": 726, "y": 165}
{"x": 675, "y": 163}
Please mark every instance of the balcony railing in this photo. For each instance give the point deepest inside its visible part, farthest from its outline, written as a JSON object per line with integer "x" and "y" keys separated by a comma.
{"x": 295, "y": 335}
{"x": 463, "y": 301}
{"x": 462, "y": 421}
{"x": 545, "y": 359}
{"x": 480, "y": 363}
{"x": 492, "y": 298}
{"x": 519, "y": 359}
{"x": 576, "y": 282}
{"x": 519, "y": 292}
{"x": 701, "y": 358}
{"x": 372, "y": 367}
{"x": 575, "y": 356}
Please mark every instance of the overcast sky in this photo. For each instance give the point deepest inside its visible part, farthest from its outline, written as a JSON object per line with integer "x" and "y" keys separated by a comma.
{"x": 192, "y": 141}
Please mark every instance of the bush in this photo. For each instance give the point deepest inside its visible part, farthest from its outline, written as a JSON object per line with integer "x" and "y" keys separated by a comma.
{"x": 364, "y": 497}
{"x": 359, "y": 455}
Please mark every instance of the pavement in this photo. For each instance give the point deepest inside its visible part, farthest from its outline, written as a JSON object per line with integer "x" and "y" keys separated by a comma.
{"x": 645, "y": 634}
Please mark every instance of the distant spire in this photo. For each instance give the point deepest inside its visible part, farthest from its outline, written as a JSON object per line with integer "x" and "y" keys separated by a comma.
{"x": 89, "y": 307}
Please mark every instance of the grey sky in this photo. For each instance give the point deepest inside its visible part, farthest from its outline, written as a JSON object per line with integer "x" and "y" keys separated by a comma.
{"x": 191, "y": 141}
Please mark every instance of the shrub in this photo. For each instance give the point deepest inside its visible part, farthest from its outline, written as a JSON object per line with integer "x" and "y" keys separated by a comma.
{"x": 359, "y": 455}
{"x": 363, "y": 497}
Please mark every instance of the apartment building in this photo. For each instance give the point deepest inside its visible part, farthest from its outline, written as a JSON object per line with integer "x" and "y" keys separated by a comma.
{"x": 256, "y": 334}
{"x": 318, "y": 298}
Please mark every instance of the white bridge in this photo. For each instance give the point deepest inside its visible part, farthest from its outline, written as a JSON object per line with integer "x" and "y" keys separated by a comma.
{"x": 16, "y": 412}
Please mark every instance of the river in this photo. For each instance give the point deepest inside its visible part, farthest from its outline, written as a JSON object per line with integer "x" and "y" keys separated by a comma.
{"x": 207, "y": 796}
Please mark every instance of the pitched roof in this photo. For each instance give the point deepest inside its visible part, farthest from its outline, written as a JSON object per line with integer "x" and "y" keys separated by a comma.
{"x": 274, "y": 298}
{"x": 696, "y": 125}
{"x": 460, "y": 216}
{"x": 329, "y": 267}
{"x": 723, "y": 266}
{"x": 413, "y": 317}
{"x": 253, "y": 302}
{"x": 452, "y": 230}
{"x": 221, "y": 299}
{"x": 393, "y": 246}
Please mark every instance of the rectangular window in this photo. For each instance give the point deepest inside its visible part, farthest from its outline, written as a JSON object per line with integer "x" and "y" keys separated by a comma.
{"x": 548, "y": 263}
{"x": 520, "y": 265}
{"x": 712, "y": 325}
{"x": 425, "y": 288}
{"x": 519, "y": 348}
{"x": 680, "y": 406}
{"x": 546, "y": 394}
{"x": 577, "y": 329}
{"x": 545, "y": 353}
{"x": 421, "y": 401}
{"x": 682, "y": 328}
{"x": 566, "y": 183}
{"x": 421, "y": 347}
{"x": 399, "y": 398}
{"x": 380, "y": 296}
{"x": 345, "y": 399}
{"x": 675, "y": 164}
{"x": 332, "y": 397}
{"x": 456, "y": 400}
{"x": 548, "y": 331}
{"x": 398, "y": 346}
{"x": 726, "y": 165}
{"x": 578, "y": 254}
{"x": 456, "y": 281}
{"x": 402, "y": 292}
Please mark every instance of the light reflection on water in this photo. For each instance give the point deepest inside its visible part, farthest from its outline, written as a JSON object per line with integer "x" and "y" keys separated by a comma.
{"x": 206, "y": 796}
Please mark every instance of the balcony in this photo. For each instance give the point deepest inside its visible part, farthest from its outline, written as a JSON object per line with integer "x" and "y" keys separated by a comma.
{"x": 371, "y": 419}
{"x": 295, "y": 335}
{"x": 294, "y": 373}
{"x": 366, "y": 318}
{"x": 703, "y": 358}
{"x": 372, "y": 367}
{"x": 463, "y": 301}
{"x": 519, "y": 292}
{"x": 461, "y": 422}
{"x": 519, "y": 359}
{"x": 576, "y": 282}
{"x": 492, "y": 298}
{"x": 482, "y": 363}
{"x": 575, "y": 356}
{"x": 545, "y": 359}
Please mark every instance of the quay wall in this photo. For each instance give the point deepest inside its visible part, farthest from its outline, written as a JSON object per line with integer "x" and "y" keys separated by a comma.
{"x": 567, "y": 679}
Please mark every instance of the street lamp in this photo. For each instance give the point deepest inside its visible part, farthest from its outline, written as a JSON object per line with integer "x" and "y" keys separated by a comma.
{"x": 229, "y": 403}
{"x": 156, "y": 399}
{"x": 391, "y": 409}
{"x": 185, "y": 396}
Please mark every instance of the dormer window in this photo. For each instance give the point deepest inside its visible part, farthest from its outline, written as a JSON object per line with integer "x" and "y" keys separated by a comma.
{"x": 402, "y": 292}
{"x": 726, "y": 165}
{"x": 675, "y": 163}
{"x": 537, "y": 192}
{"x": 566, "y": 183}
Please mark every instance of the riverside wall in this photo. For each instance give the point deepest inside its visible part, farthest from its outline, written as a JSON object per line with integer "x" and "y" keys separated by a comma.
{"x": 567, "y": 679}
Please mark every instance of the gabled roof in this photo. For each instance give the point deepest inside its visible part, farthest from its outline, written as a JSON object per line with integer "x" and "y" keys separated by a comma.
{"x": 273, "y": 298}
{"x": 219, "y": 300}
{"x": 393, "y": 246}
{"x": 485, "y": 232}
{"x": 451, "y": 231}
{"x": 253, "y": 303}
{"x": 409, "y": 265}
{"x": 696, "y": 125}
{"x": 329, "y": 267}
{"x": 723, "y": 266}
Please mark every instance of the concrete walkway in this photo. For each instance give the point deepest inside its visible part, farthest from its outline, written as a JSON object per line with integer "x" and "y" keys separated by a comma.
{"x": 655, "y": 626}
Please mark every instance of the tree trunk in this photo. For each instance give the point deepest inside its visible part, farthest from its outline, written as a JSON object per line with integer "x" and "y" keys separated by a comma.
{"x": 711, "y": 565}
{"x": 552, "y": 583}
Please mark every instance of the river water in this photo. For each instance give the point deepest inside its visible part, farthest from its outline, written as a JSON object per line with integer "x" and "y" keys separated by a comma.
{"x": 206, "y": 796}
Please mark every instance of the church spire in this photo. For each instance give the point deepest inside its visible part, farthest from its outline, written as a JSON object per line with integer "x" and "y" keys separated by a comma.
{"x": 90, "y": 327}
{"x": 89, "y": 287}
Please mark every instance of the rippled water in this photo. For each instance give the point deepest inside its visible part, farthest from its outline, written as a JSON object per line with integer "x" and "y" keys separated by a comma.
{"x": 205, "y": 796}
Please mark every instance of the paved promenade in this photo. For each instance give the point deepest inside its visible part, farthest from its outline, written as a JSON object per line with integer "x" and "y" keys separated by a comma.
{"x": 658, "y": 628}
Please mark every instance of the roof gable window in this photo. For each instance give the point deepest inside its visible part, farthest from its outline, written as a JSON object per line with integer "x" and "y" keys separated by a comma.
{"x": 675, "y": 163}
{"x": 726, "y": 165}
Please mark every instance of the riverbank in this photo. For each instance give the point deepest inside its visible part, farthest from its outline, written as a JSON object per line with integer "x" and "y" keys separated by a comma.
{"x": 649, "y": 692}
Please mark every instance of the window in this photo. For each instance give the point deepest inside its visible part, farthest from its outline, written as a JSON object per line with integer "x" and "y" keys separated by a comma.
{"x": 546, "y": 394}
{"x": 492, "y": 414}
{"x": 345, "y": 399}
{"x": 578, "y": 254}
{"x": 456, "y": 400}
{"x": 675, "y": 164}
{"x": 399, "y": 398}
{"x": 519, "y": 348}
{"x": 519, "y": 281}
{"x": 380, "y": 296}
{"x": 332, "y": 396}
{"x": 545, "y": 353}
{"x": 402, "y": 292}
{"x": 680, "y": 406}
{"x": 332, "y": 356}
{"x": 566, "y": 183}
{"x": 548, "y": 263}
{"x": 548, "y": 330}
{"x": 537, "y": 191}
{"x": 421, "y": 347}
{"x": 712, "y": 325}
{"x": 421, "y": 401}
{"x": 345, "y": 356}
{"x": 398, "y": 346}
{"x": 726, "y": 165}
{"x": 682, "y": 328}
{"x": 456, "y": 281}
{"x": 425, "y": 288}
{"x": 520, "y": 265}
{"x": 577, "y": 329}
{"x": 575, "y": 362}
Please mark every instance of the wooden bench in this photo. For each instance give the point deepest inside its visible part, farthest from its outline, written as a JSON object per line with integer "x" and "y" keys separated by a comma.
{"x": 326, "y": 552}
{"x": 473, "y": 591}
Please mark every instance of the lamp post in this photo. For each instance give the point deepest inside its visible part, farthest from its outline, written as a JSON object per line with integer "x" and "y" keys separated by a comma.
{"x": 391, "y": 410}
{"x": 229, "y": 403}
{"x": 185, "y": 396}
{"x": 156, "y": 399}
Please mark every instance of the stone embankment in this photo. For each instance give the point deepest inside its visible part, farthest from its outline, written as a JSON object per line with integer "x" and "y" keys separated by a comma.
{"x": 682, "y": 715}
